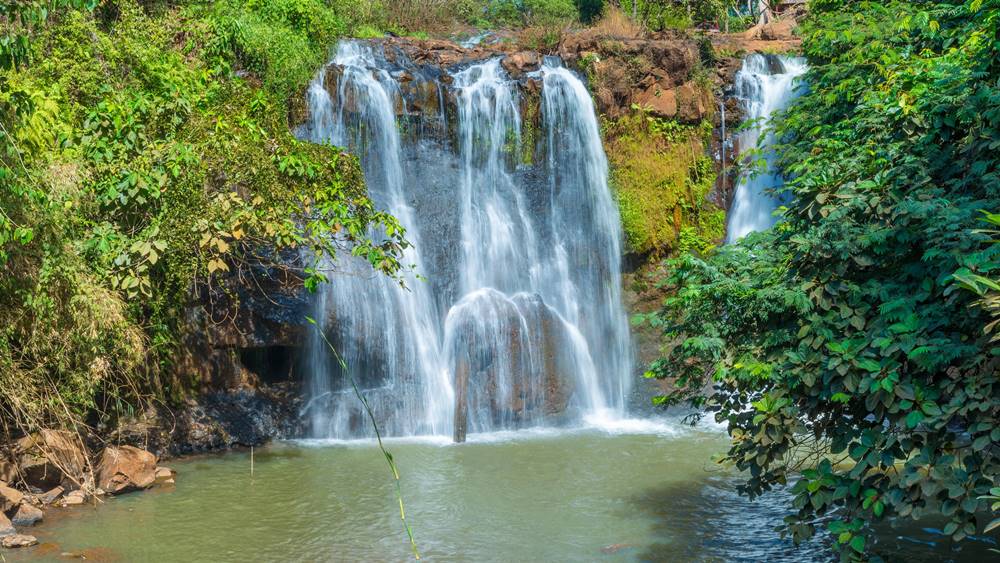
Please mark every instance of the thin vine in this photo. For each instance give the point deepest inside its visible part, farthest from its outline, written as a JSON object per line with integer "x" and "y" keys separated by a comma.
{"x": 378, "y": 436}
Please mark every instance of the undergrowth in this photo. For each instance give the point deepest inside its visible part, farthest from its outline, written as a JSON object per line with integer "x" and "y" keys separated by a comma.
{"x": 146, "y": 163}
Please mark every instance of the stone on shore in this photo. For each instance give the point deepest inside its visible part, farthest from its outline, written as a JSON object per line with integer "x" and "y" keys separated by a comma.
{"x": 6, "y": 527}
{"x": 9, "y": 497}
{"x": 125, "y": 469}
{"x": 18, "y": 540}
{"x": 27, "y": 515}
{"x": 51, "y": 496}
{"x": 74, "y": 498}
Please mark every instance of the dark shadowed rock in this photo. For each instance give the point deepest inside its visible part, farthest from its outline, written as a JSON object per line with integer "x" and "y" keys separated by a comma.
{"x": 49, "y": 458}
{"x": 219, "y": 420}
{"x": 125, "y": 469}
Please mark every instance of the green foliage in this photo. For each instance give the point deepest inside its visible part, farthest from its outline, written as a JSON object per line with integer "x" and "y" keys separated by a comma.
{"x": 421, "y": 18}
{"x": 994, "y": 498}
{"x": 589, "y": 10}
{"x": 21, "y": 18}
{"x": 281, "y": 41}
{"x": 658, "y": 15}
{"x": 858, "y": 328}
{"x": 139, "y": 173}
{"x": 661, "y": 179}
{"x": 517, "y": 13}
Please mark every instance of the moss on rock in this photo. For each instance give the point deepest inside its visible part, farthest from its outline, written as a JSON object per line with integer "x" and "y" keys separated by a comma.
{"x": 661, "y": 178}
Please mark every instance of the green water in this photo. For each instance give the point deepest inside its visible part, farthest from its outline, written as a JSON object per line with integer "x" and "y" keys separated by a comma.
{"x": 534, "y": 496}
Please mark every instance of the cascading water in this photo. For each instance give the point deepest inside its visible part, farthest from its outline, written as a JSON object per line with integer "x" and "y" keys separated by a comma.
{"x": 520, "y": 321}
{"x": 765, "y": 84}
{"x": 383, "y": 328}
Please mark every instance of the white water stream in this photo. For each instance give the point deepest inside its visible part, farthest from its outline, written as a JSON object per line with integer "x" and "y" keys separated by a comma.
{"x": 765, "y": 84}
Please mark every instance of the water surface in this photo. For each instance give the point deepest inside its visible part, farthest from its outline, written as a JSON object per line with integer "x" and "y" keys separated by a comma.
{"x": 643, "y": 492}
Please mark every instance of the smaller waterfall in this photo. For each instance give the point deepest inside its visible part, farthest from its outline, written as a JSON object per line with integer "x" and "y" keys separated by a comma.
{"x": 765, "y": 84}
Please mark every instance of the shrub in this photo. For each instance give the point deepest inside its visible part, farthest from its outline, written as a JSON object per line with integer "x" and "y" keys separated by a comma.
{"x": 850, "y": 359}
{"x": 137, "y": 174}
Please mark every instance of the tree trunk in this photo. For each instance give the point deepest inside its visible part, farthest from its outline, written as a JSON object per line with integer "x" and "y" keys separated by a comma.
{"x": 765, "y": 12}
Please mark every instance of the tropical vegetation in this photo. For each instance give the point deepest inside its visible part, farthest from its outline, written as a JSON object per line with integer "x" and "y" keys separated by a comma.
{"x": 146, "y": 163}
{"x": 852, "y": 349}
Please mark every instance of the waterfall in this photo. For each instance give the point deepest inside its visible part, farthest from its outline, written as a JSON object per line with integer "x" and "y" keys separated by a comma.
{"x": 517, "y": 319}
{"x": 765, "y": 84}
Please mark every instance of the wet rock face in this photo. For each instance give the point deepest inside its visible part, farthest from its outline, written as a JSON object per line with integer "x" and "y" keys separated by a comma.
{"x": 268, "y": 309}
{"x": 218, "y": 420}
{"x": 527, "y": 352}
{"x": 656, "y": 72}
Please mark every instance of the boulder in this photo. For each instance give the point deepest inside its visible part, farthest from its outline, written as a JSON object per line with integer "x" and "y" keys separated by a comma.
{"x": 164, "y": 473}
{"x": 74, "y": 498}
{"x": 50, "y": 458}
{"x": 9, "y": 497}
{"x": 6, "y": 528}
{"x": 18, "y": 540}
{"x": 519, "y": 63}
{"x": 781, "y": 30}
{"x": 513, "y": 363}
{"x": 125, "y": 469}
{"x": 658, "y": 101}
{"x": 51, "y": 496}
{"x": 693, "y": 103}
{"x": 27, "y": 515}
